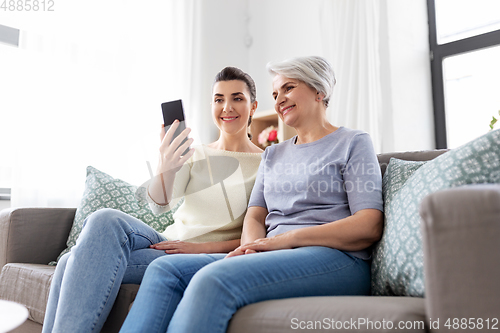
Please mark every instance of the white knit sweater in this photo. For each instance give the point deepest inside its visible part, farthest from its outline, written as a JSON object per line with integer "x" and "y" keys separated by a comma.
{"x": 216, "y": 186}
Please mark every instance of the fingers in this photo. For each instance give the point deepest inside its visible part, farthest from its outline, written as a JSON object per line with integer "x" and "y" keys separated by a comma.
{"x": 166, "y": 245}
{"x": 175, "y": 251}
{"x": 187, "y": 156}
{"x": 162, "y": 132}
{"x": 169, "y": 135}
{"x": 170, "y": 132}
{"x": 236, "y": 252}
{"x": 255, "y": 247}
{"x": 172, "y": 247}
{"x": 177, "y": 143}
{"x": 239, "y": 251}
{"x": 182, "y": 148}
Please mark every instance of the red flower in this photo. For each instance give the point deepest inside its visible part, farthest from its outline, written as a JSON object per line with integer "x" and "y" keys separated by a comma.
{"x": 272, "y": 135}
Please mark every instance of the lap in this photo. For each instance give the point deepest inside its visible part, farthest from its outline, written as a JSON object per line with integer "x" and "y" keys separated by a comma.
{"x": 306, "y": 271}
{"x": 138, "y": 263}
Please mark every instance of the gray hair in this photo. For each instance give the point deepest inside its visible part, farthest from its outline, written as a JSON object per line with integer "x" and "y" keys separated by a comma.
{"x": 314, "y": 71}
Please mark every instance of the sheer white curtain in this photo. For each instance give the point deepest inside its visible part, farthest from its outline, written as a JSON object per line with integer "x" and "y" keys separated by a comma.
{"x": 351, "y": 37}
{"x": 85, "y": 88}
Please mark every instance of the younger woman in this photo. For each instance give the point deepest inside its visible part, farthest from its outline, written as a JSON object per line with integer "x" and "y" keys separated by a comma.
{"x": 215, "y": 181}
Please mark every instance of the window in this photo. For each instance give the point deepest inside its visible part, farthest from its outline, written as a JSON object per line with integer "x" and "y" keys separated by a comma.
{"x": 9, "y": 41}
{"x": 464, "y": 37}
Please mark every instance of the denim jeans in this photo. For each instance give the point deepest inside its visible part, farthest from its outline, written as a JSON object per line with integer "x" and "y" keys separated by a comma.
{"x": 113, "y": 248}
{"x": 201, "y": 292}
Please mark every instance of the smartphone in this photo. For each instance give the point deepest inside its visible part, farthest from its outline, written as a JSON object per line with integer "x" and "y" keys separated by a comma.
{"x": 171, "y": 111}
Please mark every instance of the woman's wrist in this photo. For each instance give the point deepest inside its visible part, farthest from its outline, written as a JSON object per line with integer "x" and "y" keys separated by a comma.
{"x": 220, "y": 247}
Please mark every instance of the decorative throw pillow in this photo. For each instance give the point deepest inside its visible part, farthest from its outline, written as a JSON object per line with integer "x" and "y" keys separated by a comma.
{"x": 397, "y": 173}
{"x": 397, "y": 267}
{"x": 104, "y": 191}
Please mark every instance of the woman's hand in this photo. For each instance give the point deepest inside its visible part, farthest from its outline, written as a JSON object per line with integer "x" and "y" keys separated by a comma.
{"x": 172, "y": 247}
{"x": 238, "y": 252}
{"x": 171, "y": 159}
{"x": 279, "y": 242}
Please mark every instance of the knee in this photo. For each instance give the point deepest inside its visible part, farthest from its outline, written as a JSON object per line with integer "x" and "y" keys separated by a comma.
{"x": 61, "y": 265}
{"x": 214, "y": 277}
{"x": 162, "y": 271}
{"x": 103, "y": 218}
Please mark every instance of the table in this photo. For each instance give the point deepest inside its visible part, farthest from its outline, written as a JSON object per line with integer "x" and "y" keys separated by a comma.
{"x": 11, "y": 315}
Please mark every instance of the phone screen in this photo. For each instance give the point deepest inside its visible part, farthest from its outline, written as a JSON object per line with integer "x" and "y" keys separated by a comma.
{"x": 171, "y": 111}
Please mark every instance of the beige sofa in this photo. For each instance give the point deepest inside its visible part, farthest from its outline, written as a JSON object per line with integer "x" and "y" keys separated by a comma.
{"x": 461, "y": 233}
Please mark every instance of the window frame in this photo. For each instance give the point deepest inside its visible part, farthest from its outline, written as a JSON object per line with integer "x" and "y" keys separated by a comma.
{"x": 437, "y": 54}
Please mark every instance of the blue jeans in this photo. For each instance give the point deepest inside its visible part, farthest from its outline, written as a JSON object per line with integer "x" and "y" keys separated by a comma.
{"x": 201, "y": 292}
{"x": 113, "y": 248}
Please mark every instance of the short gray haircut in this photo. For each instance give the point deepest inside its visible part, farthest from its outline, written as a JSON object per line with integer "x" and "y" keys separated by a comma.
{"x": 314, "y": 71}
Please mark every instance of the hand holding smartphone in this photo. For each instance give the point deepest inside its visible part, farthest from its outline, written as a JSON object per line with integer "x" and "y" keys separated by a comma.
{"x": 171, "y": 111}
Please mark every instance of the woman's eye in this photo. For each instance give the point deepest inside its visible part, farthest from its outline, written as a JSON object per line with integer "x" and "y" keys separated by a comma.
{"x": 238, "y": 99}
{"x": 218, "y": 100}
{"x": 288, "y": 88}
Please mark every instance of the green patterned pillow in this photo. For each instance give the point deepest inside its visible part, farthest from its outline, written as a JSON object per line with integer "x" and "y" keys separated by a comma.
{"x": 104, "y": 191}
{"x": 397, "y": 173}
{"x": 397, "y": 267}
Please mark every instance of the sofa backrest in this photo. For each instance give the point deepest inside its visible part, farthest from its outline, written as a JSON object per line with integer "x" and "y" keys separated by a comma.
{"x": 422, "y": 155}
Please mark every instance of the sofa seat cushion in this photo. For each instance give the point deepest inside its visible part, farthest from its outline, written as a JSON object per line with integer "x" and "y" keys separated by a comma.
{"x": 324, "y": 314}
{"x": 27, "y": 284}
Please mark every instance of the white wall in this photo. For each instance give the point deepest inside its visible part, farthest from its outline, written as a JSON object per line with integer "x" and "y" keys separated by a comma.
{"x": 219, "y": 41}
{"x": 283, "y": 30}
{"x": 4, "y": 204}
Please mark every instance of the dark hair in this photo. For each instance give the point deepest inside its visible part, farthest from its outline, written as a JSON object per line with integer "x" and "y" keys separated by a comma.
{"x": 233, "y": 73}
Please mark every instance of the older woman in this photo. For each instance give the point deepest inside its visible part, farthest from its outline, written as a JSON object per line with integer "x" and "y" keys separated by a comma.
{"x": 314, "y": 210}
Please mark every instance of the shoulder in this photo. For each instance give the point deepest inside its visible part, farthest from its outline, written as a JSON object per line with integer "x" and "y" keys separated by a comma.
{"x": 278, "y": 148}
{"x": 350, "y": 133}
{"x": 353, "y": 137}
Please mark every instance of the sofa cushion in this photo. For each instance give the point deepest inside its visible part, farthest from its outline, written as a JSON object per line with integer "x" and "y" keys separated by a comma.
{"x": 475, "y": 162}
{"x": 398, "y": 237}
{"x": 104, "y": 191}
{"x": 324, "y": 314}
{"x": 29, "y": 285}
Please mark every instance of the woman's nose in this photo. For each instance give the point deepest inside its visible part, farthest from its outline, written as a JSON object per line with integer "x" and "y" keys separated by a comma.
{"x": 280, "y": 99}
{"x": 227, "y": 107}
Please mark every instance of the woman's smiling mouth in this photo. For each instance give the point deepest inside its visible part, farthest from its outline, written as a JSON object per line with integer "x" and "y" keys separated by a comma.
{"x": 228, "y": 118}
{"x": 287, "y": 109}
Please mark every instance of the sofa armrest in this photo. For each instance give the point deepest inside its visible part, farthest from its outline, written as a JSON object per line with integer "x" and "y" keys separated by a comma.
{"x": 461, "y": 233}
{"x": 34, "y": 235}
